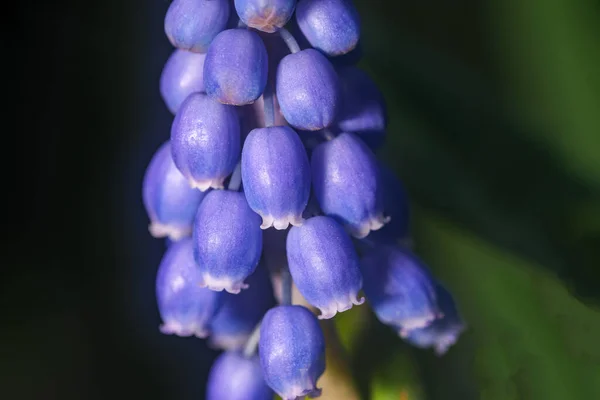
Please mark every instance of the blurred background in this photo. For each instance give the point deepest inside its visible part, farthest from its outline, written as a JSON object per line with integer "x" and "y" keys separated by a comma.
{"x": 495, "y": 129}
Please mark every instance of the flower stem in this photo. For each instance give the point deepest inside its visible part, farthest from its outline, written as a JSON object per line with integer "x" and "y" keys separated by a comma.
{"x": 252, "y": 343}
{"x": 269, "y": 106}
{"x": 236, "y": 178}
{"x": 286, "y": 287}
{"x": 289, "y": 40}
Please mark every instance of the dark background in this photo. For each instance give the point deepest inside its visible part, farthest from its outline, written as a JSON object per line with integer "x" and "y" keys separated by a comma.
{"x": 494, "y": 129}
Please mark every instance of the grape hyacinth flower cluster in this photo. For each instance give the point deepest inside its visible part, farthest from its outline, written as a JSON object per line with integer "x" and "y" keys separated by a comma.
{"x": 270, "y": 178}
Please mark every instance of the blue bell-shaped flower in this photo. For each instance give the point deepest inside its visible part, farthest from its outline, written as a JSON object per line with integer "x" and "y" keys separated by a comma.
{"x": 186, "y": 309}
{"x": 347, "y": 183}
{"x": 292, "y": 351}
{"x": 205, "y": 141}
{"x": 193, "y": 24}
{"x": 227, "y": 241}
{"x": 324, "y": 265}
{"x": 399, "y": 288}
{"x": 169, "y": 200}
{"x": 276, "y": 176}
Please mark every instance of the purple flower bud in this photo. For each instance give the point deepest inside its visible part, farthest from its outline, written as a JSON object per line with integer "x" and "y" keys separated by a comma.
{"x": 235, "y": 377}
{"x": 227, "y": 241}
{"x": 265, "y": 15}
{"x": 308, "y": 90}
{"x": 324, "y": 265}
{"x": 193, "y": 24}
{"x": 363, "y": 110}
{"x": 396, "y": 206}
{"x": 205, "y": 141}
{"x": 185, "y": 308}
{"x": 240, "y": 313}
{"x": 292, "y": 351}
{"x": 399, "y": 288}
{"x": 332, "y": 26}
{"x": 347, "y": 184}
{"x": 235, "y": 70}
{"x": 170, "y": 202}
{"x": 442, "y": 333}
{"x": 181, "y": 76}
{"x": 276, "y": 176}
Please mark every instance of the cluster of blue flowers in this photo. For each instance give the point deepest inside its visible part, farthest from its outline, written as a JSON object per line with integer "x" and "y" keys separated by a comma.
{"x": 270, "y": 133}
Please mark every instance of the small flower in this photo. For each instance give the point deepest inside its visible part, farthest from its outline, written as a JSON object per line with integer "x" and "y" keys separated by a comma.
{"x": 308, "y": 90}
{"x": 276, "y": 176}
{"x": 185, "y": 308}
{"x": 347, "y": 183}
{"x": 324, "y": 265}
{"x": 331, "y": 26}
{"x": 181, "y": 76}
{"x": 292, "y": 351}
{"x": 170, "y": 202}
{"x": 235, "y": 377}
{"x": 227, "y": 241}
{"x": 205, "y": 141}
{"x": 265, "y": 15}
{"x": 193, "y": 24}
{"x": 235, "y": 70}
{"x": 399, "y": 288}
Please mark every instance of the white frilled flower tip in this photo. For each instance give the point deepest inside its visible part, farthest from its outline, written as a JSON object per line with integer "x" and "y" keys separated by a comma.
{"x": 299, "y": 392}
{"x": 443, "y": 345}
{"x": 174, "y": 233}
{"x": 204, "y": 185}
{"x": 416, "y": 323}
{"x": 361, "y": 231}
{"x": 281, "y": 223}
{"x": 340, "y": 306}
{"x": 220, "y": 284}
{"x": 175, "y": 328}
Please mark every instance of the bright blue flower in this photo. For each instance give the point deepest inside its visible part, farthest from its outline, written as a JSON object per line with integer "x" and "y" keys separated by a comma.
{"x": 347, "y": 183}
{"x": 399, "y": 288}
{"x": 169, "y": 201}
{"x": 276, "y": 176}
{"x": 193, "y": 24}
{"x": 308, "y": 90}
{"x": 324, "y": 265}
{"x": 265, "y": 15}
{"x": 186, "y": 309}
{"x": 181, "y": 76}
{"x": 235, "y": 70}
{"x": 227, "y": 241}
{"x": 205, "y": 141}
{"x": 235, "y": 377}
{"x": 292, "y": 351}
{"x": 331, "y": 26}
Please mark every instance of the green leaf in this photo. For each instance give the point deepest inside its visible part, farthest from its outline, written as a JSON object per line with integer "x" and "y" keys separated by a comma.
{"x": 527, "y": 338}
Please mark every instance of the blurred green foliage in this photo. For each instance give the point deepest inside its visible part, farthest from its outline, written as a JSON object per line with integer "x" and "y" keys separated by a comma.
{"x": 495, "y": 129}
